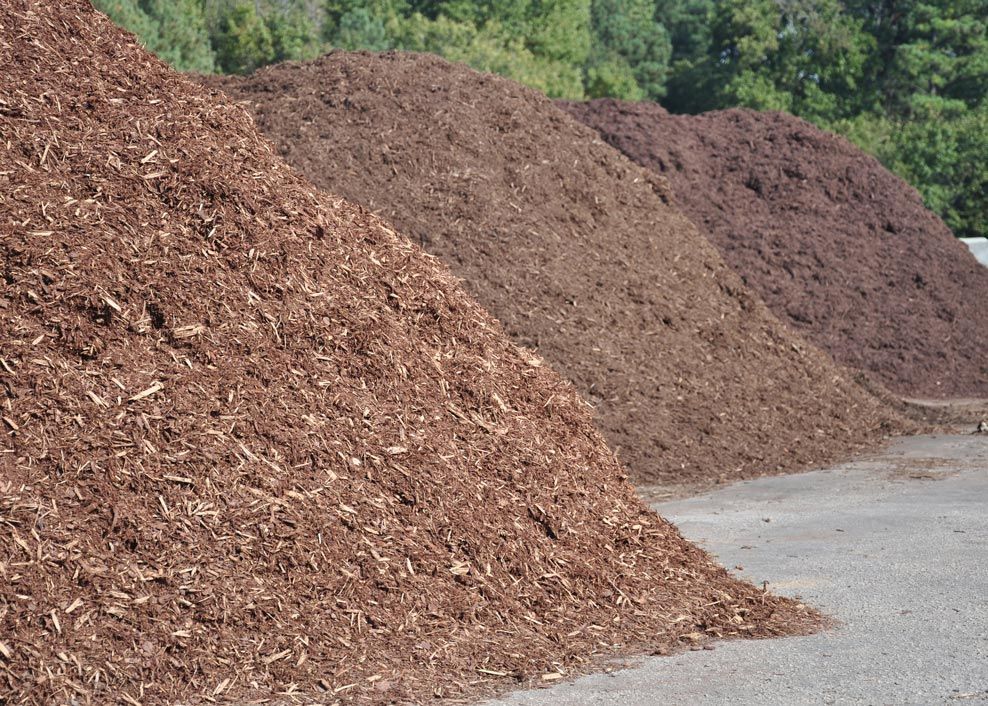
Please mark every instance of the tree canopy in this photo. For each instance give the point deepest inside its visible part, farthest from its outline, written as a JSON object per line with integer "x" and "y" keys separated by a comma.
{"x": 905, "y": 79}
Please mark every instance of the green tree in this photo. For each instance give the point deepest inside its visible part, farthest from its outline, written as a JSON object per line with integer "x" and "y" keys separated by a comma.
{"x": 610, "y": 75}
{"x": 804, "y": 56}
{"x": 360, "y": 29}
{"x": 129, "y": 15}
{"x": 175, "y": 30}
{"x": 630, "y": 50}
{"x": 688, "y": 24}
{"x": 559, "y": 30}
{"x": 543, "y": 43}
{"x": 943, "y": 151}
{"x": 490, "y": 48}
{"x": 294, "y": 33}
{"x": 691, "y": 86}
{"x": 183, "y": 40}
{"x": 241, "y": 38}
{"x": 936, "y": 48}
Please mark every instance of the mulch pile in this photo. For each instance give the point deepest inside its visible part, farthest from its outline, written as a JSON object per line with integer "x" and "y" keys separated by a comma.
{"x": 258, "y": 446}
{"x": 576, "y": 250}
{"x": 837, "y": 246}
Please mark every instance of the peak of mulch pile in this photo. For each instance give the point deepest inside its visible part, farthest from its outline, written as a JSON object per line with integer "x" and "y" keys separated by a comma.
{"x": 578, "y": 253}
{"x": 836, "y": 245}
{"x": 258, "y": 446}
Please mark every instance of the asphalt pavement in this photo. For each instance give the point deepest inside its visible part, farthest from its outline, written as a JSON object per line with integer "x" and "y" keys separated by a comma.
{"x": 894, "y": 547}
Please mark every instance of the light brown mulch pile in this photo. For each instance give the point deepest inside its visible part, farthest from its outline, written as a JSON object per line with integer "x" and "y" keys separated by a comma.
{"x": 258, "y": 446}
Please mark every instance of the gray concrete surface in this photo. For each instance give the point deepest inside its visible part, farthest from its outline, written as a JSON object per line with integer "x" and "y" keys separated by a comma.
{"x": 979, "y": 248}
{"x": 894, "y": 547}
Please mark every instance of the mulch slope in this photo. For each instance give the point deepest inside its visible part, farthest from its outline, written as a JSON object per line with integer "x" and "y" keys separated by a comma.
{"x": 837, "y": 246}
{"x": 255, "y": 443}
{"x": 576, "y": 250}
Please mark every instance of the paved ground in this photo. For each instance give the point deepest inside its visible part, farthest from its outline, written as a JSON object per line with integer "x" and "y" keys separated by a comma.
{"x": 895, "y": 547}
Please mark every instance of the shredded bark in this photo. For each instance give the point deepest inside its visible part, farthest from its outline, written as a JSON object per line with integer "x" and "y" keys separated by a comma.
{"x": 257, "y": 446}
{"x": 578, "y": 252}
{"x": 839, "y": 248}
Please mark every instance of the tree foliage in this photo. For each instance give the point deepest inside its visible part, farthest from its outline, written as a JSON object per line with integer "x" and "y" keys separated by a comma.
{"x": 630, "y": 50}
{"x": 905, "y": 79}
{"x": 944, "y": 150}
{"x": 175, "y": 30}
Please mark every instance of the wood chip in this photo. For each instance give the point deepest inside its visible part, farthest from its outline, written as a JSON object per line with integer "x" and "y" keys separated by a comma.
{"x": 276, "y": 656}
{"x": 189, "y": 592}
{"x": 155, "y": 387}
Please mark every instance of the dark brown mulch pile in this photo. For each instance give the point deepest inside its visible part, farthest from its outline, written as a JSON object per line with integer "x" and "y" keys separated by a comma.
{"x": 575, "y": 249}
{"x": 256, "y": 445}
{"x": 837, "y": 246}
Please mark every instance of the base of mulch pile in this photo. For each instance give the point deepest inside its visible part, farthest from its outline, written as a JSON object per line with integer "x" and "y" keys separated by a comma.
{"x": 257, "y": 446}
{"x": 838, "y": 247}
{"x": 578, "y": 252}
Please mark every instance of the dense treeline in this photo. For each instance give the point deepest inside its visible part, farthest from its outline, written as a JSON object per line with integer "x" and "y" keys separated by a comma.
{"x": 905, "y": 79}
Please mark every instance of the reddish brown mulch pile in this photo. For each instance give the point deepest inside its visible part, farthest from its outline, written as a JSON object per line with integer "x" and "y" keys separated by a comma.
{"x": 837, "y": 246}
{"x": 576, "y": 250}
{"x": 256, "y": 445}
